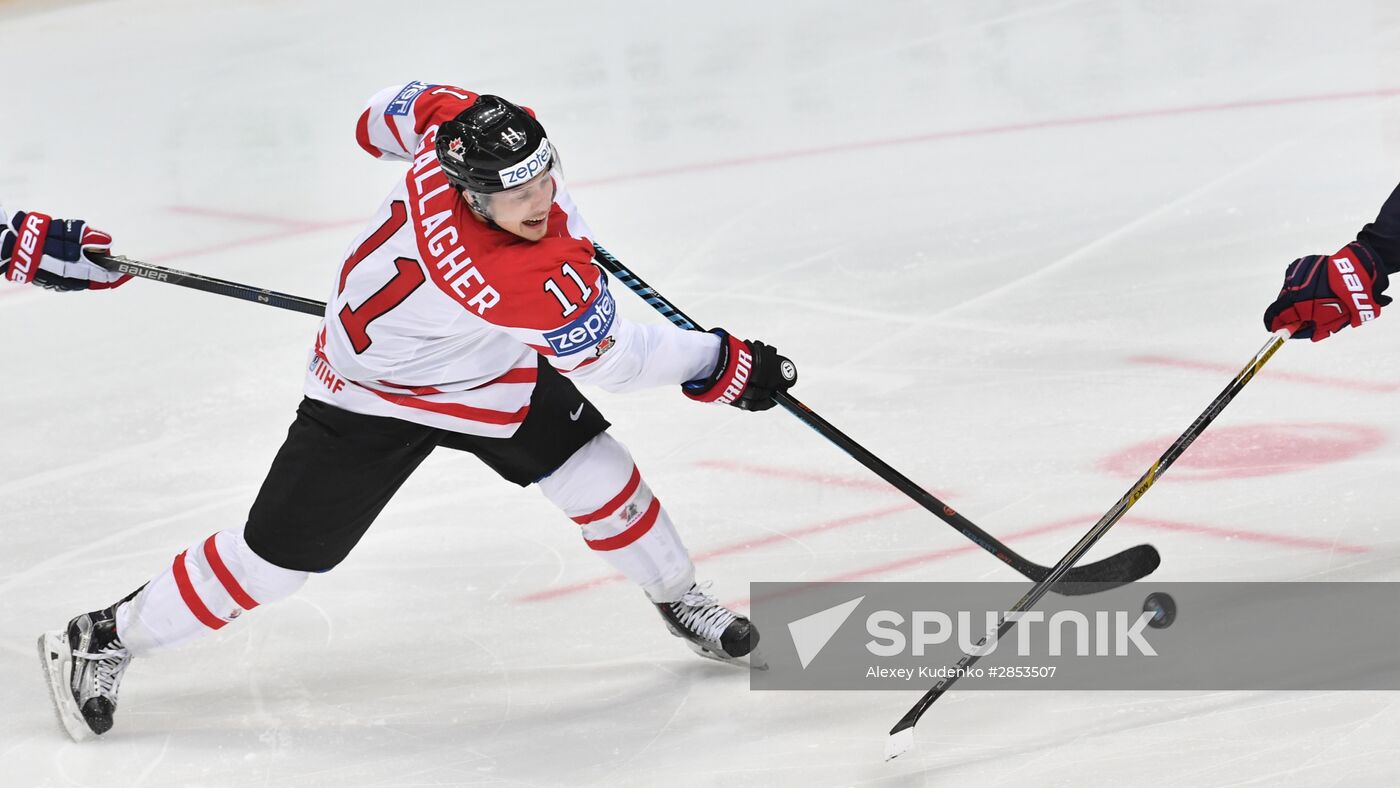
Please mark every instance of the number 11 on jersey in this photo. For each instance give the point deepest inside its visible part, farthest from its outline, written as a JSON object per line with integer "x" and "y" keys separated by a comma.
{"x": 552, "y": 287}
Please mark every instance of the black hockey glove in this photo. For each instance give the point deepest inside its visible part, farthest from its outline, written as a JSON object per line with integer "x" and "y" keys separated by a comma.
{"x": 748, "y": 375}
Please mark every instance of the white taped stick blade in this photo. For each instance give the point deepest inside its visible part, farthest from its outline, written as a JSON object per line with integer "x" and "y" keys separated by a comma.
{"x": 899, "y": 743}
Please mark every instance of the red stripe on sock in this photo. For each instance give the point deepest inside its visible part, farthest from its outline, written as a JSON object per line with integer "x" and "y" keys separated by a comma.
{"x": 616, "y": 503}
{"x": 211, "y": 552}
{"x": 632, "y": 534}
{"x": 192, "y": 600}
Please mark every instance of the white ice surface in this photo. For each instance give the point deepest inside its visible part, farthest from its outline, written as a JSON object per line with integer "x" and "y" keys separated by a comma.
{"x": 967, "y": 221}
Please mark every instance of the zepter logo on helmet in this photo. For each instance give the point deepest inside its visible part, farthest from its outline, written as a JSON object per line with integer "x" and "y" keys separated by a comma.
{"x": 525, "y": 170}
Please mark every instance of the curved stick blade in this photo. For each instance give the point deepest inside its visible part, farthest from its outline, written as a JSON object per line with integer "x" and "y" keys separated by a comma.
{"x": 1117, "y": 570}
{"x": 899, "y": 743}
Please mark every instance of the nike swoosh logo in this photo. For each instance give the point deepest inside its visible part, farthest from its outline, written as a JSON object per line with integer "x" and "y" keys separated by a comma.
{"x": 573, "y": 415}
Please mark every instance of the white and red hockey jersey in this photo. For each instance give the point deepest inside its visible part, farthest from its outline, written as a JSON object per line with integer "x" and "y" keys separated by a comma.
{"x": 440, "y": 319}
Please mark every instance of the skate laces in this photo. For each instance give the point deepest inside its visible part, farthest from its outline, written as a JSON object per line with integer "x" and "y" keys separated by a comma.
{"x": 702, "y": 613}
{"x": 108, "y": 665}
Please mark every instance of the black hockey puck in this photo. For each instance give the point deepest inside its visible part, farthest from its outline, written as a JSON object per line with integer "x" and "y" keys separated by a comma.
{"x": 1162, "y": 607}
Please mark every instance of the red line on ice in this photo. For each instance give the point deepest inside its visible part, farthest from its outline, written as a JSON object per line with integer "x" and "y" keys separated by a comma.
{"x": 1253, "y": 450}
{"x": 1085, "y": 521}
{"x": 824, "y": 479}
{"x": 1293, "y": 377}
{"x": 923, "y": 558}
{"x": 733, "y": 547}
{"x": 237, "y": 243}
{"x": 240, "y": 216}
{"x": 982, "y": 131}
{"x": 1261, "y": 537}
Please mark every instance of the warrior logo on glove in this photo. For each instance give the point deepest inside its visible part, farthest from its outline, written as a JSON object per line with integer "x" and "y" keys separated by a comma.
{"x": 1322, "y": 295}
{"x": 748, "y": 375}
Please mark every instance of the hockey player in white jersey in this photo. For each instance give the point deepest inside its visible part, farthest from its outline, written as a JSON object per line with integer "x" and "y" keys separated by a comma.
{"x": 459, "y": 318}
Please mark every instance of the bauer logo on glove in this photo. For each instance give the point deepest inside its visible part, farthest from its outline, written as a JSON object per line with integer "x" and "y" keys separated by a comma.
{"x": 54, "y": 253}
{"x": 1322, "y": 295}
{"x": 1362, "y": 306}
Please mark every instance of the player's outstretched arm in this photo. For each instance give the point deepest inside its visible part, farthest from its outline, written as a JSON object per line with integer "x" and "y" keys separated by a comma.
{"x": 53, "y": 253}
{"x": 1383, "y": 235}
{"x": 1322, "y": 294}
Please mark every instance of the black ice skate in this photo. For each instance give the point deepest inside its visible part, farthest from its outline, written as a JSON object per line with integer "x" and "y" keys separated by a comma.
{"x": 84, "y": 665}
{"x": 710, "y": 629}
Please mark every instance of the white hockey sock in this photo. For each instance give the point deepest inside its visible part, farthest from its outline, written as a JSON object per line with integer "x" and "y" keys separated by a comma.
{"x": 206, "y": 587}
{"x": 600, "y": 488}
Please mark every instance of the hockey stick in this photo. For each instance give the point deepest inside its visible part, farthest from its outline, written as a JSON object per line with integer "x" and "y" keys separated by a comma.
{"x": 125, "y": 265}
{"x": 1116, "y": 570}
{"x": 902, "y": 734}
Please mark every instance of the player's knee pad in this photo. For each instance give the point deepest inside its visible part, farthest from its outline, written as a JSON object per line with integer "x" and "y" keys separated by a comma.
{"x": 590, "y": 477}
{"x": 599, "y": 480}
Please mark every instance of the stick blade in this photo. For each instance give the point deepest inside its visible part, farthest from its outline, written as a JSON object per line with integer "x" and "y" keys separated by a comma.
{"x": 899, "y": 743}
{"x": 1126, "y": 567}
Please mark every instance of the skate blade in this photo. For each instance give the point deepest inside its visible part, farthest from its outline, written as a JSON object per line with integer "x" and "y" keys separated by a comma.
{"x": 57, "y": 660}
{"x": 753, "y": 660}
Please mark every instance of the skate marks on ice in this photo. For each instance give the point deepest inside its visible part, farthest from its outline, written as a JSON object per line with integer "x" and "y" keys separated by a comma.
{"x": 111, "y": 459}
{"x": 1086, "y": 251}
{"x": 60, "y": 561}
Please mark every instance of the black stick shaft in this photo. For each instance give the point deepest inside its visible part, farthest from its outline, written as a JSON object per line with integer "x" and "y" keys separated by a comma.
{"x": 1121, "y": 569}
{"x": 1116, "y": 512}
{"x": 209, "y": 284}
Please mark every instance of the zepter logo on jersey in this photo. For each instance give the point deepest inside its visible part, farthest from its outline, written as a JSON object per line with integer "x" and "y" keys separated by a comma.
{"x": 401, "y": 103}
{"x": 537, "y": 163}
{"x": 588, "y": 329}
